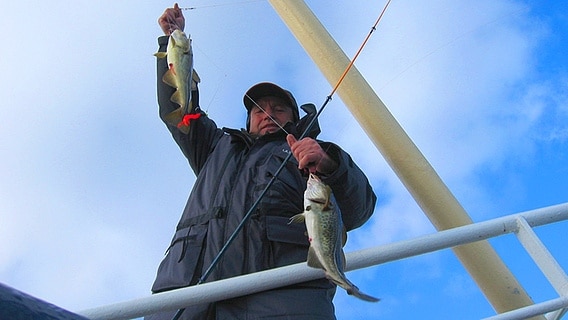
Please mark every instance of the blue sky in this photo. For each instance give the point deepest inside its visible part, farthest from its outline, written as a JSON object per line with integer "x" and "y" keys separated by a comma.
{"x": 91, "y": 184}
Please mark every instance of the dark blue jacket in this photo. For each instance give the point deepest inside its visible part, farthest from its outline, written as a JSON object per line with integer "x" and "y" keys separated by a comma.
{"x": 232, "y": 169}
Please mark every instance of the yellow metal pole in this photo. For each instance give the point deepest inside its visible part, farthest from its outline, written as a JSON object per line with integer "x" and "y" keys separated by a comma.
{"x": 494, "y": 279}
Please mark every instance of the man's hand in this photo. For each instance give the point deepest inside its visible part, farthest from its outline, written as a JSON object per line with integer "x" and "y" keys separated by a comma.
{"x": 310, "y": 155}
{"x": 171, "y": 19}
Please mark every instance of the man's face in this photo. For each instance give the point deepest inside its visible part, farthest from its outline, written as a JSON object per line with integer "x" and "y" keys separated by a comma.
{"x": 260, "y": 122}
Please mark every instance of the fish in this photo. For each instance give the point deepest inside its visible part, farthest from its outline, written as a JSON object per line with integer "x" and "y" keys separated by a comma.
{"x": 326, "y": 235}
{"x": 181, "y": 76}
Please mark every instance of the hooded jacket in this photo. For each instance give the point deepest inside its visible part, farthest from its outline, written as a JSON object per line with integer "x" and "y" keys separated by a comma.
{"x": 232, "y": 169}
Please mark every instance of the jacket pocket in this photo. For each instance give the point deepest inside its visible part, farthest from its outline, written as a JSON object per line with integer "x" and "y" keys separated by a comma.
{"x": 178, "y": 269}
{"x": 288, "y": 242}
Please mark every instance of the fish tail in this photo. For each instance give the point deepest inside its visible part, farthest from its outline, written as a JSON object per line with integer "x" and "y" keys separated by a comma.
{"x": 354, "y": 291}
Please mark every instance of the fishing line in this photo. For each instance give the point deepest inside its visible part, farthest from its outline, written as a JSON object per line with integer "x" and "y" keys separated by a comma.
{"x": 448, "y": 43}
{"x": 252, "y": 209}
{"x": 220, "y": 5}
{"x": 220, "y": 84}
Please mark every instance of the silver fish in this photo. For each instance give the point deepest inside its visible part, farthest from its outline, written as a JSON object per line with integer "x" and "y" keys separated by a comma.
{"x": 327, "y": 235}
{"x": 181, "y": 76}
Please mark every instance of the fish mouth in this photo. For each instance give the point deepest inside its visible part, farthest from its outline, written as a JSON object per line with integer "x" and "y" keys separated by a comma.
{"x": 314, "y": 177}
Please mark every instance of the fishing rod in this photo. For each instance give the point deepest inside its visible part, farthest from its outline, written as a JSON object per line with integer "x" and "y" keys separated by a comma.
{"x": 309, "y": 127}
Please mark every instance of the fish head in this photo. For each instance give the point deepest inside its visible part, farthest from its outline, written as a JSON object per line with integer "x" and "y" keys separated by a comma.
{"x": 317, "y": 192}
{"x": 180, "y": 40}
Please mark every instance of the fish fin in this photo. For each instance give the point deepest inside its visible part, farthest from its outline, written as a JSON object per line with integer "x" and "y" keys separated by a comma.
{"x": 195, "y": 77}
{"x": 174, "y": 117}
{"x": 313, "y": 260}
{"x": 169, "y": 78}
{"x": 194, "y": 80}
{"x": 176, "y": 98}
{"x": 299, "y": 218}
{"x": 160, "y": 55}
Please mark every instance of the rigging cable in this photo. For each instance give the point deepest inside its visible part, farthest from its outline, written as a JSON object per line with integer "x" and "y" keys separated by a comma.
{"x": 240, "y": 226}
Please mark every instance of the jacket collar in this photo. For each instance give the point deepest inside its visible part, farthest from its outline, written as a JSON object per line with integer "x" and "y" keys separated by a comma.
{"x": 249, "y": 140}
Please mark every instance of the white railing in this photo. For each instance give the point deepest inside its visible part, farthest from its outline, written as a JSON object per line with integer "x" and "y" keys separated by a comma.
{"x": 521, "y": 224}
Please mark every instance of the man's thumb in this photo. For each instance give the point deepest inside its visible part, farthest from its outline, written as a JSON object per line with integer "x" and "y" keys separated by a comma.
{"x": 291, "y": 139}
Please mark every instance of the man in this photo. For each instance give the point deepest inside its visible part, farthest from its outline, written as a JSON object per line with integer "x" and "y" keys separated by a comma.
{"x": 232, "y": 168}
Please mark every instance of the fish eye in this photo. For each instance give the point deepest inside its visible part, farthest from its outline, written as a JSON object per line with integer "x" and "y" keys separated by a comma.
{"x": 308, "y": 208}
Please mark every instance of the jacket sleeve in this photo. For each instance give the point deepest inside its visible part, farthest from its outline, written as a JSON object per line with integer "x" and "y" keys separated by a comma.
{"x": 203, "y": 133}
{"x": 351, "y": 189}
